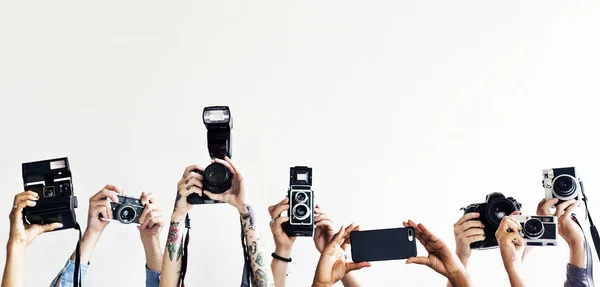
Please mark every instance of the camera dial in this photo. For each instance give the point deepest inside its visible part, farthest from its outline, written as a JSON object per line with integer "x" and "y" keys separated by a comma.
{"x": 126, "y": 214}
{"x": 533, "y": 228}
{"x": 300, "y": 211}
{"x": 565, "y": 187}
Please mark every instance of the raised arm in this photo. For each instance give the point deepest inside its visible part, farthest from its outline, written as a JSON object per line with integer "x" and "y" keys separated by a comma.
{"x": 236, "y": 196}
{"x": 21, "y": 235}
{"x": 190, "y": 182}
{"x": 283, "y": 242}
{"x": 151, "y": 224}
{"x": 512, "y": 247}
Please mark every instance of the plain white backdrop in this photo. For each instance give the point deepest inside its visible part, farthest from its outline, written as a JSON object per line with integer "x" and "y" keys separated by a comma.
{"x": 403, "y": 109}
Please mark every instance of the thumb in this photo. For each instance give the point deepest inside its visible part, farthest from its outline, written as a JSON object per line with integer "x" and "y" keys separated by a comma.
{"x": 418, "y": 260}
{"x": 46, "y": 228}
{"x": 212, "y": 195}
{"x": 351, "y": 266}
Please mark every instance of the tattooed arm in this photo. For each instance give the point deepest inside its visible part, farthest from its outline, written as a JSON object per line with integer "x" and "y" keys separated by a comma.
{"x": 191, "y": 182}
{"x": 236, "y": 196}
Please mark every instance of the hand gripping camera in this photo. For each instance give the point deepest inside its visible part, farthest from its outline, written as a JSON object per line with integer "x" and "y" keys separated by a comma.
{"x": 127, "y": 210}
{"x": 51, "y": 180}
{"x": 538, "y": 230}
{"x": 216, "y": 177}
{"x": 562, "y": 183}
{"x": 301, "y": 212}
{"x": 491, "y": 212}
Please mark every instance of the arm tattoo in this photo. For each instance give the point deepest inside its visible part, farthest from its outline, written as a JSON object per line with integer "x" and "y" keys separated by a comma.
{"x": 248, "y": 218}
{"x": 174, "y": 242}
{"x": 260, "y": 278}
{"x": 259, "y": 260}
{"x": 176, "y": 200}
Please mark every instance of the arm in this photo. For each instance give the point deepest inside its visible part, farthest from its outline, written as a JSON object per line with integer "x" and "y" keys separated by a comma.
{"x": 515, "y": 274}
{"x": 283, "y": 242}
{"x": 512, "y": 247}
{"x": 151, "y": 223}
{"x": 466, "y": 231}
{"x": 261, "y": 273}
{"x": 14, "y": 272}
{"x": 191, "y": 182}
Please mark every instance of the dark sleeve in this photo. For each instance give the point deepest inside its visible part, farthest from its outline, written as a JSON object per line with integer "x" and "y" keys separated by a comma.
{"x": 152, "y": 278}
{"x": 577, "y": 277}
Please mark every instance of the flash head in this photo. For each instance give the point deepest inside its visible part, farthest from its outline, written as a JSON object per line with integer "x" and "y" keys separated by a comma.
{"x": 217, "y": 117}
{"x": 218, "y": 122}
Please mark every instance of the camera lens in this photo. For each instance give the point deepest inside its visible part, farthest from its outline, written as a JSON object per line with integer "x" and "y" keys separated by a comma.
{"x": 126, "y": 214}
{"x": 300, "y": 211}
{"x": 565, "y": 187}
{"x": 49, "y": 192}
{"x": 301, "y": 197}
{"x": 533, "y": 228}
{"x": 498, "y": 209}
{"x": 216, "y": 174}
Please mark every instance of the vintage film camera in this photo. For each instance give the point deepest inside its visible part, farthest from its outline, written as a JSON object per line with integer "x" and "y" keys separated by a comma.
{"x": 301, "y": 212}
{"x": 216, "y": 177}
{"x": 491, "y": 212}
{"x": 127, "y": 210}
{"x": 562, "y": 183}
{"x": 538, "y": 230}
{"x": 51, "y": 180}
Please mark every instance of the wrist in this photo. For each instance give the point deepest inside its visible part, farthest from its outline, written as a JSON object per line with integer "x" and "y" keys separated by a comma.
{"x": 242, "y": 208}
{"x": 177, "y": 217}
{"x": 150, "y": 241}
{"x": 16, "y": 246}
{"x": 320, "y": 284}
{"x": 283, "y": 252}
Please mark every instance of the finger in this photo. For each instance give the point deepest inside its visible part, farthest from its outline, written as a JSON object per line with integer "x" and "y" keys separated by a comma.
{"x": 156, "y": 220}
{"x": 277, "y": 226}
{"x": 189, "y": 170}
{"x": 51, "y": 226}
{"x": 560, "y": 209}
{"x": 545, "y": 208}
{"x": 516, "y": 212}
{"x": 351, "y": 266}
{"x": 190, "y": 176}
{"x": 473, "y": 232}
{"x": 418, "y": 260}
{"x": 146, "y": 198}
{"x": 337, "y": 237}
{"x": 26, "y": 195}
{"x": 475, "y": 238}
{"x": 323, "y": 217}
{"x": 214, "y": 196}
{"x": 102, "y": 208}
{"x": 105, "y": 193}
{"x": 325, "y": 224}
{"x": 235, "y": 168}
{"x": 226, "y": 164}
{"x": 149, "y": 213}
{"x": 186, "y": 192}
{"x": 189, "y": 183}
{"x": 273, "y": 207}
{"x": 279, "y": 210}
{"x": 145, "y": 212}
{"x": 569, "y": 211}
{"x": 467, "y": 217}
{"x": 318, "y": 210}
{"x": 471, "y": 224}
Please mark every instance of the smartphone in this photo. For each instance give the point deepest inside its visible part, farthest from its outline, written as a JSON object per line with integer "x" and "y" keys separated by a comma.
{"x": 383, "y": 244}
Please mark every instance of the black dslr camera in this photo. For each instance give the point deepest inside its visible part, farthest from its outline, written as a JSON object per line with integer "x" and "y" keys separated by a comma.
{"x": 127, "y": 210}
{"x": 216, "y": 177}
{"x": 562, "y": 183}
{"x": 51, "y": 180}
{"x": 301, "y": 212}
{"x": 491, "y": 212}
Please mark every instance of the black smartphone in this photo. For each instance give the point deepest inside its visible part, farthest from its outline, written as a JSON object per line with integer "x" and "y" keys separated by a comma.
{"x": 383, "y": 244}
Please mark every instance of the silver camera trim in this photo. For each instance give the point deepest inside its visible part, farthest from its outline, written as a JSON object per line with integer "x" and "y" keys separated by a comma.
{"x": 549, "y": 180}
{"x": 310, "y": 206}
{"x": 120, "y": 208}
{"x": 301, "y": 201}
{"x": 545, "y": 241}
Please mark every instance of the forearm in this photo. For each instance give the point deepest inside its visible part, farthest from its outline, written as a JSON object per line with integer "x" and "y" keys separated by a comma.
{"x": 515, "y": 274}
{"x": 351, "y": 280}
{"x": 89, "y": 240}
{"x": 459, "y": 279}
{"x": 153, "y": 252}
{"x": 464, "y": 260}
{"x": 172, "y": 259}
{"x": 261, "y": 273}
{"x": 578, "y": 255}
{"x": 279, "y": 267}
{"x": 14, "y": 269}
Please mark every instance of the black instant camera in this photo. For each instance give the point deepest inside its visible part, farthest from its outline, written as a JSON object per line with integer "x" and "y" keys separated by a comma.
{"x": 216, "y": 177}
{"x": 51, "y": 180}
{"x": 301, "y": 213}
{"x": 491, "y": 212}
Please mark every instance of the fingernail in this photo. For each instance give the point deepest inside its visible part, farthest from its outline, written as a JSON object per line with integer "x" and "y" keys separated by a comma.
{"x": 186, "y": 182}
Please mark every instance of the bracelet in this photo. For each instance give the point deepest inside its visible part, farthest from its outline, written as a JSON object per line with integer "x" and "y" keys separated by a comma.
{"x": 288, "y": 260}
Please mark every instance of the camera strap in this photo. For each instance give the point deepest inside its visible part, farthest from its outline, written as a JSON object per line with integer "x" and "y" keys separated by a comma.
{"x": 247, "y": 274}
{"x": 184, "y": 255}
{"x": 76, "y": 278}
{"x": 589, "y": 256}
{"x": 593, "y": 229}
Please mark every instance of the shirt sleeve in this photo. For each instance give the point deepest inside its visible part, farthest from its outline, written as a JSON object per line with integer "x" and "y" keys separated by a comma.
{"x": 152, "y": 278}
{"x": 65, "y": 276}
{"x": 577, "y": 277}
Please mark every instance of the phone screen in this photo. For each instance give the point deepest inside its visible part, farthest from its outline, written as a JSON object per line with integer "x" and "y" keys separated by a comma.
{"x": 383, "y": 244}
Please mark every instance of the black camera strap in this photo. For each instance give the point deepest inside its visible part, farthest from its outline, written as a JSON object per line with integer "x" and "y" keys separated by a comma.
{"x": 589, "y": 256}
{"x": 184, "y": 255}
{"x": 76, "y": 278}
{"x": 593, "y": 229}
{"x": 247, "y": 273}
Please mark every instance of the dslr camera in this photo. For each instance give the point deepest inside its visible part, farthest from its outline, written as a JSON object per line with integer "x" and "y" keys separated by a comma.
{"x": 491, "y": 212}
{"x": 51, "y": 180}
{"x": 216, "y": 177}
{"x": 562, "y": 183}
{"x": 301, "y": 212}
{"x": 538, "y": 230}
{"x": 127, "y": 210}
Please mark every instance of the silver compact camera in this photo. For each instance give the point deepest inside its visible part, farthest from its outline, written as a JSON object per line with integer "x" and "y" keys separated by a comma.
{"x": 562, "y": 183}
{"x": 538, "y": 230}
{"x": 127, "y": 210}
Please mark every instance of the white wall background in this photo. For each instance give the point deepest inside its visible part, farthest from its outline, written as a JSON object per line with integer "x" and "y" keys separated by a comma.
{"x": 403, "y": 109}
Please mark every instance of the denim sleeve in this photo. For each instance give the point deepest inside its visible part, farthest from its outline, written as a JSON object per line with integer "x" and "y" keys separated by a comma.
{"x": 152, "y": 278}
{"x": 65, "y": 276}
{"x": 576, "y": 277}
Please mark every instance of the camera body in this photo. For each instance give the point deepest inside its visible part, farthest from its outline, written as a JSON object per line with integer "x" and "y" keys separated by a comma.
{"x": 127, "y": 210}
{"x": 51, "y": 180}
{"x": 216, "y": 177}
{"x": 562, "y": 183}
{"x": 301, "y": 213}
{"x": 491, "y": 212}
{"x": 538, "y": 230}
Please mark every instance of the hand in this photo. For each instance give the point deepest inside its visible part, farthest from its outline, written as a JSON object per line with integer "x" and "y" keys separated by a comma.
{"x": 100, "y": 211}
{"x": 236, "y": 195}
{"x": 324, "y": 231}
{"x": 440, "y": 257}
{"x": 191, "y": 182}
{"x": 283, "y": 242}
{"x": 567, "y": 227}
{"x": 512, "y": 245}
{"x": 466, "y": 231}
{"x": 21, "y": 233}
{"x": 332, "y": 265}
{"x": 151, "y": 219}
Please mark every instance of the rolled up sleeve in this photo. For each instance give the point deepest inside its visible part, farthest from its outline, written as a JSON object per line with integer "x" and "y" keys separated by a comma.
{"x": 65, "y": 276}
{"x": 577, "y": 277}
{"x": 152, "y": 278}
